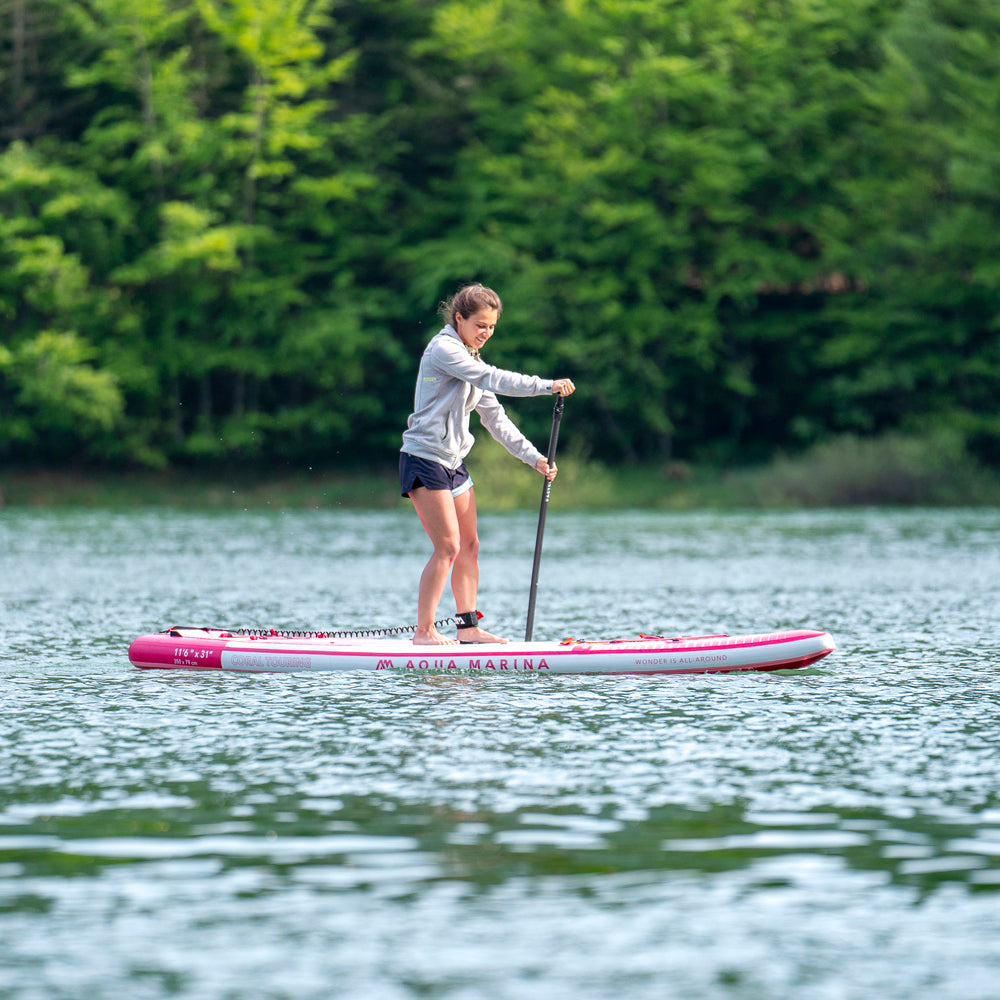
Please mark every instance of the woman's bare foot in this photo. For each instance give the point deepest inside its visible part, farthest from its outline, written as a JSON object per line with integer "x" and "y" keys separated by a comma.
{"x": 432, "y": 637}
{"x": 477, "y": 635}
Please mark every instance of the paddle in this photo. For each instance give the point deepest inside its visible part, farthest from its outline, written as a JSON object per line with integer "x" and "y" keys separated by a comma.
{"x": 547, "y": 489}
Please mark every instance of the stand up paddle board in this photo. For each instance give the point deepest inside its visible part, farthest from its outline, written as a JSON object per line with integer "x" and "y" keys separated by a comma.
{"x": 273, "y": 651}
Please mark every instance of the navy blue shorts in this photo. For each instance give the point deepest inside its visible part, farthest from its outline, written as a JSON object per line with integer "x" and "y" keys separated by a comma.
{"x": 414, "y": 472}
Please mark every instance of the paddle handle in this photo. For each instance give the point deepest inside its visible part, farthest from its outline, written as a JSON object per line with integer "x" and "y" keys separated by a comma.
{"x": 546, "y": 490}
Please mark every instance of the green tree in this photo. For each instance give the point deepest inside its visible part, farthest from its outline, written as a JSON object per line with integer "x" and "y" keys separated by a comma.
{"x": 920, "y": 346}
{"x": 651, "y": 184}
{"x": 54, "y": 397}
{"x": 57, "y": 395}
{"x": 224, "y": 132}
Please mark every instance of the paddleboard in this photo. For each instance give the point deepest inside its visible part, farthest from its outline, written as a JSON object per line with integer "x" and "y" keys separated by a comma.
{"x": 207, "y": 649}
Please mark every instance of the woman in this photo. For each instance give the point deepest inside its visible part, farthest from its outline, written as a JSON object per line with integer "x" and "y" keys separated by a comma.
{"x": 452, "y": 382}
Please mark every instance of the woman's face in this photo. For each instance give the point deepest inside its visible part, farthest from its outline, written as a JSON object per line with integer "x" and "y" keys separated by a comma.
{"x": 477, "y": 328}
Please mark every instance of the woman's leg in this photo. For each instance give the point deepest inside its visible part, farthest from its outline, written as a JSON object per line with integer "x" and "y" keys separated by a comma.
{"x": 465, "y": 573}
{"x": 437, "y": 513}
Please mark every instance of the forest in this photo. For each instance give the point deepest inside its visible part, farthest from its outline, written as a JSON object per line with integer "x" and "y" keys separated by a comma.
{"x": 743, "y": 227}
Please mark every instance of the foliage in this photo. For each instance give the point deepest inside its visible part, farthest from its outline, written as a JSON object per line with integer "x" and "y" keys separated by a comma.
{"x": 59, "y": 397}
{"x": 741, "y": 228}
{"x": 892, "y": 469}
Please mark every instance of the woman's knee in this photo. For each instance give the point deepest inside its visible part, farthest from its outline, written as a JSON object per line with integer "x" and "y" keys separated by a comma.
{"x": 448, "y": 548}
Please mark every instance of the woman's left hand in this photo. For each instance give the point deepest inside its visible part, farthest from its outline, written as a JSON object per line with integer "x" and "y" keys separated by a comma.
{"x": 542, "y": 466}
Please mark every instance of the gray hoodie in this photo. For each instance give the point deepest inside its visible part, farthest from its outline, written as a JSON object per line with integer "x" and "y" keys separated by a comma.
{"x": 451, "y": 384}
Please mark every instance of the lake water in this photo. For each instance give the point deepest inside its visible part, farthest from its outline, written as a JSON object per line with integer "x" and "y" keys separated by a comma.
{"x": 827, "y": 833}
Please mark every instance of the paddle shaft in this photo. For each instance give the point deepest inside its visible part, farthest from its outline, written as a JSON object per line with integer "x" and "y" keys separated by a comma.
{"x": 546, "y": 490}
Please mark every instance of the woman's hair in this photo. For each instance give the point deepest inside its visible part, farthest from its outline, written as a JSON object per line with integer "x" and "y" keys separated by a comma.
{"x": 468, "y": 300}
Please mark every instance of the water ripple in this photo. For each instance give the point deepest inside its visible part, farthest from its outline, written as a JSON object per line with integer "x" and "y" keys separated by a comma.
{"x": 833, "y": 832}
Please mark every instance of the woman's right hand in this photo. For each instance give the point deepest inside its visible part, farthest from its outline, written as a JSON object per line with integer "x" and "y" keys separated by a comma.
{"x": 542, "y": 466}
{"x": 563, "y": 387}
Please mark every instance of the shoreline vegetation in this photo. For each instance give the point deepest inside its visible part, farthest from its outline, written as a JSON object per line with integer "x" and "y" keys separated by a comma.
{"x": 847, "y": 471}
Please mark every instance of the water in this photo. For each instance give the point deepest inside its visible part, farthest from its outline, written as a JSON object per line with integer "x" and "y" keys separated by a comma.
{"x": 828, "y": 833}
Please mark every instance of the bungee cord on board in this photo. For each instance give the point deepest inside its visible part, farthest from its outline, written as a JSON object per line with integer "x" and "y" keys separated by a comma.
{"x": 357, "y": 633}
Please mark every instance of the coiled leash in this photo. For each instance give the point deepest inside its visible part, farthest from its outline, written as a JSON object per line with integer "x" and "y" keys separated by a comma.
{"x": 461, "y": 621}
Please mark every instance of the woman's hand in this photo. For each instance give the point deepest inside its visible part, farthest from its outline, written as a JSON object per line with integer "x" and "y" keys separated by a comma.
{"x": 542, "y": 466}
{"x": 563, "y": 387}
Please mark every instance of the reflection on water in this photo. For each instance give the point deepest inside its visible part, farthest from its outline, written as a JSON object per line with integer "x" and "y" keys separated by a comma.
{"x": 832, "y": 832}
